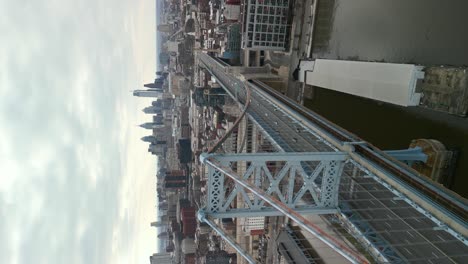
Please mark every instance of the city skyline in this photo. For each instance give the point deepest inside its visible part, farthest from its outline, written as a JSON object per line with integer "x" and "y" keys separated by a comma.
{"x": 217, "y": 132}
{"x": 73, "y": 191}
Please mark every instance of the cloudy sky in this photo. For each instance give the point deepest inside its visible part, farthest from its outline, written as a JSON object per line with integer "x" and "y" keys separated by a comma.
{"x": 76, "y": 184}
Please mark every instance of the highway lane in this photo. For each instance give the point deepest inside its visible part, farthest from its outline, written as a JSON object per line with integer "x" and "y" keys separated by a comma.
{"x": 410, "y": 235}
{"x": 371, "y": 200}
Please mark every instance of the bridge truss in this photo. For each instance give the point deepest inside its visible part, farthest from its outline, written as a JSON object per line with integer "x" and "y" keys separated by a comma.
{"x": 312, "y": 175}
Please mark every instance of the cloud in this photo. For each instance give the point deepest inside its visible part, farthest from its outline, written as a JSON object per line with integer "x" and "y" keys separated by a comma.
{"x": 76, "y": 186}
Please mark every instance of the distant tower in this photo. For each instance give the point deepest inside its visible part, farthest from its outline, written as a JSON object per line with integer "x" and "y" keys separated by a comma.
{"x": 163, "y": 235}
{"x": 158, "y": 119}
{"x": 163, "y": 205}
{"x": 152, "y": 110}
{"x": 161, "y": 173}
{"x": 152, "y": 125}
{"x": 147, "y": 93}
{"x": 156, "y": 85}
{"x": 151, "y": 139}
{"x": 159, "y": 224}
{"x": 163, "y": 74}
{"x": 157, "y": 103}
{"x": 160, "y": 79}
{"x": 158, "y": 148}
{"x": 164, "y": 58}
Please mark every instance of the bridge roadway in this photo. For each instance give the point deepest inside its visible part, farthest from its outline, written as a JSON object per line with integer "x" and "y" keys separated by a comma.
{"x": 401, "y": 232}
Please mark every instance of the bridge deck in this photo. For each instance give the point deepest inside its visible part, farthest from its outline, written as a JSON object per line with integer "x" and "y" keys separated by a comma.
{"x": 394, "y": 226}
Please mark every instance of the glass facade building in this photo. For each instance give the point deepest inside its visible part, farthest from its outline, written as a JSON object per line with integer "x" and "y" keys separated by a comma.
{"x": 233, "y": 42}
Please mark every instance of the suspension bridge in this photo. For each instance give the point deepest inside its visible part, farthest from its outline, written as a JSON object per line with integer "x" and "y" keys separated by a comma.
{"x": 393, "y": 214}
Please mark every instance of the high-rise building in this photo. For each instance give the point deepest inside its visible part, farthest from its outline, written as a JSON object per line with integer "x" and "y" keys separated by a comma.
{"x": 151, "y": 139}
{"x": 152, "y": 110}
{"x": 233, "y": 42}
{"x": 164, "y": 58}
{"x": 163, "y": 235}
{"x": 266, "y": 25}
{"x": 158, "y": 119}
{"x": 152, "y": 125}
{"x": 162, "y": 74}
{"x": 148, "y": 93}
{"x": 158, "y": 84}
{"x": 159, "y": 224}
{"x": 161, "y": 78}
{"x": 164, "y": 103}
{"x": 157, "y": 103}
{"x": 159, "y": 148}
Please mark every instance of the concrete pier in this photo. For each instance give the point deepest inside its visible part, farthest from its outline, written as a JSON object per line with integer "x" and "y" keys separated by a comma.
{"x": 387, "y": 82}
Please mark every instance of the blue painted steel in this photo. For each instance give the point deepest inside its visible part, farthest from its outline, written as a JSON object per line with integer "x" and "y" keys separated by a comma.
{"x": 234, "y": 87}
{"x": 411, "y": 154}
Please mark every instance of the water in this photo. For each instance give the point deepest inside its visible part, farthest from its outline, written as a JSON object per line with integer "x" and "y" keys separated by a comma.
{"x": 426, "y": 32}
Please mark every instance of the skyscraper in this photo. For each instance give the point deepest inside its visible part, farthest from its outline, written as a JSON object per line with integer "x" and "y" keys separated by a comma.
{"x": 151, "y": 139}
{"x": 152, "y": 110}
{"x": 159, "y": 224}
{"x": 267, "y": 26}
{"x": 155, "y": 85}
{"x": 160, "y": 79}
{"x": 157, "y": 103}
{"x": 147, "y": 93}
{"x": 159, "y": 119}
{"x": 164, "y": 58}
{"x": 158, "y": 148}
{"x": 152, "y": 125}
{"x": 164, "y": 74}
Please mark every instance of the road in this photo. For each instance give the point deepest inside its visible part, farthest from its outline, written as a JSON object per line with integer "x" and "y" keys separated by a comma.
{"x": 394, "y": 227}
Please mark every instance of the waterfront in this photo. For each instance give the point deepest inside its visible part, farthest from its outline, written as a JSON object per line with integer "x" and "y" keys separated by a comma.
{"x": 427, "y": 32}
{"x": 368, "y": 30}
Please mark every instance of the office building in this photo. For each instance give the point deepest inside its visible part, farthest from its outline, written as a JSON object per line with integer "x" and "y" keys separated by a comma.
{"x": 148, "y": 93}
{"x": 266, "y": 25}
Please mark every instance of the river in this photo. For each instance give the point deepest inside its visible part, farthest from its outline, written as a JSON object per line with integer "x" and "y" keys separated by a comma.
{"x": 425, "y": 32}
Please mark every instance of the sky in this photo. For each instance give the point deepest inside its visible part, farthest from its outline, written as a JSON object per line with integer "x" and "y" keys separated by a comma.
{"x": 76, "y": 183}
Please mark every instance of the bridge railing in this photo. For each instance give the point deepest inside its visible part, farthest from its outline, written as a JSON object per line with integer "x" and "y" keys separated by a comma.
{"x": 358, "y": 181}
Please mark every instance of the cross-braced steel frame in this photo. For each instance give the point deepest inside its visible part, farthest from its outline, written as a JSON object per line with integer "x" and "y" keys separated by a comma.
{"x": 385, "y": 220}
{"x": 272, "y": 199}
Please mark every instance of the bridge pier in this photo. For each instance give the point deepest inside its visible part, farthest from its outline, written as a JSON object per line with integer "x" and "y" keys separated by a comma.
{"x": 387, "y": 82}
